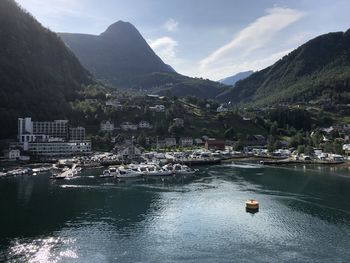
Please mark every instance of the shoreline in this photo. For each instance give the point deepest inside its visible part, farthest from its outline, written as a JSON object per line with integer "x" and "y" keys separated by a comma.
{"x": 268, "y": 161}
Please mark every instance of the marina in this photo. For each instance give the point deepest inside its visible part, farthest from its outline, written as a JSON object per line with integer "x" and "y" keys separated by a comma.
{"x": 304, "y": 212}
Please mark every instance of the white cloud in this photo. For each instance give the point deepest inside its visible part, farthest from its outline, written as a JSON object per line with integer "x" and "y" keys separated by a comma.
{"x": 255, "y": 36}
{"x": 165, "y": 48}
{"x": 56, "y": 13}
{"x": 254, "y": 64}
{"x": 171, "y": 25}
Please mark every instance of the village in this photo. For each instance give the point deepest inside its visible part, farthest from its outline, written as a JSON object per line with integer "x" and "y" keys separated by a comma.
{"x": 121, "y": 128}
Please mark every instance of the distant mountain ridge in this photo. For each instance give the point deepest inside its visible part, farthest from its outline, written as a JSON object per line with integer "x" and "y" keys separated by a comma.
{"x": 39, "y": 75}
{"x": 317, "y": 70}
{"x": 231, "y": 81}
{"x": 117, "y": 55}
{"x": 121, "y": 57}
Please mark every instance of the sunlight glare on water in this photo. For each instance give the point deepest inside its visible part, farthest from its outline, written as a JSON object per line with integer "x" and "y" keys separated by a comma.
{"x": 304, "y": 216}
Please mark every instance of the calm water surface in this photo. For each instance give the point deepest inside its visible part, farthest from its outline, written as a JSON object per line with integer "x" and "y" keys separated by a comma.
{"x": 304, "y": 217}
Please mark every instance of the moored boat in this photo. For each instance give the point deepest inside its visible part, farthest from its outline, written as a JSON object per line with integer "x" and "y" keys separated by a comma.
{"x": 155, "y": 170}
{"x": 110, "y": 172}
{"x": 179, "y": 169}
{"x": 126, "y": 172}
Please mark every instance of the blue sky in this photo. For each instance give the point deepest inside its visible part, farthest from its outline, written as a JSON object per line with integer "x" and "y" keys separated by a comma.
{"x": 204, "y": 38}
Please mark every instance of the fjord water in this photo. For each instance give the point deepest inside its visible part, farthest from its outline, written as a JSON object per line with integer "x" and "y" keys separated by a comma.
{"x": 304, "y": 216}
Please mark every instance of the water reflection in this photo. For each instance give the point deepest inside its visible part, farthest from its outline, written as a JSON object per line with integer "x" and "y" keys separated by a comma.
{"x": 304, "y": 216}
{"x": 319, "y": 193}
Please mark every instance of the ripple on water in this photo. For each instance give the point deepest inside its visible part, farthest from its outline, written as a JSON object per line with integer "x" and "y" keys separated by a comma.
{"x": 48, "y": 249}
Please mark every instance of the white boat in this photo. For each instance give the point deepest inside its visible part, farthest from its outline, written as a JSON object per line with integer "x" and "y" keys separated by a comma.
{"x": 155, "y": 170}
{"x": 110, "y": 172}
{"x": 126, "y": 172}
{"x": 67, "y": 173}
{"x": 143, "y": 169}
{"x": 180, "y": 169}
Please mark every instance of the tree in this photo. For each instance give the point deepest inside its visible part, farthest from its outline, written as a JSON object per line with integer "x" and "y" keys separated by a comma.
{"x": 317, "y": 138}
{"x": 141, "y": 140}
{"x": 296, "y": 140}
{"x": 301, "y": 149}
{"x": 271, "y": 144}
{"x": 274, "y": 128}
{"x": 337, "y": 147}
{"x": 239, "y": 145}
{"x": 175, "y": 130}
{"x": 229, "y": 133}
{"x": 309, "y": 150}
{"x": 327, "y": 147}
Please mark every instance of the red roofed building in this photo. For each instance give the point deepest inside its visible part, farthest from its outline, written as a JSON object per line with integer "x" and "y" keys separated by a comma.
{"x": 215, "y": 144}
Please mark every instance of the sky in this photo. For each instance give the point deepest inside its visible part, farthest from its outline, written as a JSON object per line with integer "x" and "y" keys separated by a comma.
{"x": 204, "y": 38}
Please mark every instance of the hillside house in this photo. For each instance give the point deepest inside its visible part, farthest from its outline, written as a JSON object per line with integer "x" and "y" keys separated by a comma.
{"x": 145, "y": 125}
{"x": 128, "y": 126}
{"x": 170, "y": 142}
{"x": 179, "y": 122}
{"x": 157, "y": 108}
{"x": 106, "y": 126}
{"x": 186, "y": 142}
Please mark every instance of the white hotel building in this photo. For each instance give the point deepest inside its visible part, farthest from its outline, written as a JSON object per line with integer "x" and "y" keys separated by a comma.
{"x": 51, "y": 138}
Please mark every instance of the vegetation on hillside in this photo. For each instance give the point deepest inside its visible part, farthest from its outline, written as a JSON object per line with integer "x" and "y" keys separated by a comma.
{"x": 38, "y": 74}
{"x": 122, "y": 58}
{"x": 317, "y": 71}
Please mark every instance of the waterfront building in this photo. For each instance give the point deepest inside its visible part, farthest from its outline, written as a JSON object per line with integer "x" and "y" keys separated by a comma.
{"x": 128, "y": 151}
{"x": 215, "y": 144}
{"x": 12, "y": 154}
{"x": 77, "y": 134}
{"x": 51, "y": 138}
{"x": 29, "y": 131}
{"x": 198, "y": 141}
{"x": 161, "y": 144}
{"x": 59, "y": 148}
{"x": 56, "y": 128}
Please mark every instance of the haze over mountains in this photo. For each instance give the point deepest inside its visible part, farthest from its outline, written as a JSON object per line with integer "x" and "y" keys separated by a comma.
{"x": 38, "y": 74}
{"x": 317, "y": 70}
{"x": 231, "y": 81}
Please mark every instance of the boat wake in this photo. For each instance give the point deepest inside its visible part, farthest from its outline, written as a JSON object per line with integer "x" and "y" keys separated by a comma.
{"x": 244, "y": 165}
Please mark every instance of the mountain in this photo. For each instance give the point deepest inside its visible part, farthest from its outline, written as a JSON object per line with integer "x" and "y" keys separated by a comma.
{"x": 120, "y": 55}
{"x": 231, "y": 81}
{"x": 318, "y": 70}
{"x": 38, "y": 74}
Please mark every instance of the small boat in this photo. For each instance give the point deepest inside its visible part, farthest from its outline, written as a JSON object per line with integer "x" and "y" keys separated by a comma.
{"x": 155, "y": 170}
{"x": 142, "y": 169}
{"x": 125, "y": 172}
{"x": 179, "y": 169}
{"x": 110, "y": 172}
{"x": 66, "y": 173}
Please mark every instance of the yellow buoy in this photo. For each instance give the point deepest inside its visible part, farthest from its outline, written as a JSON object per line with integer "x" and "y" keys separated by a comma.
{"x": 252, "y": 205}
